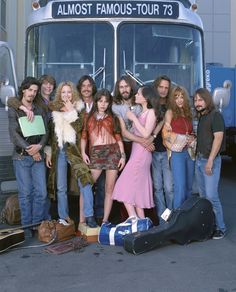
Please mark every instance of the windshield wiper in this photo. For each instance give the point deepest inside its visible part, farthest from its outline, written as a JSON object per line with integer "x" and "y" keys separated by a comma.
{"x": 97, "y": 72}
{"x": 131, "y": 74}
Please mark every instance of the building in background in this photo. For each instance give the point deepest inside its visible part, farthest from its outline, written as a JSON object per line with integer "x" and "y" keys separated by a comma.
{"x": 219, "y": 19}
{"x": 14, "y": 14}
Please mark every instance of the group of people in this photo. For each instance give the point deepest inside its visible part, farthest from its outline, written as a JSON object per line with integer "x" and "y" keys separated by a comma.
{"x": 116, "y": 143}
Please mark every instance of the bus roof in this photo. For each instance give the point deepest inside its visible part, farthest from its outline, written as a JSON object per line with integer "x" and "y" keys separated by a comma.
{"x": 117, "y": 11}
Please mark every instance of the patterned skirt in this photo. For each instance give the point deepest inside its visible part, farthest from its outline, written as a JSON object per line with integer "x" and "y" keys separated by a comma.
{"x": 105, "y": 156}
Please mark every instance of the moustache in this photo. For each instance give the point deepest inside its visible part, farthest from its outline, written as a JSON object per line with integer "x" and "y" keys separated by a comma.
{"x": 199, "y": 109}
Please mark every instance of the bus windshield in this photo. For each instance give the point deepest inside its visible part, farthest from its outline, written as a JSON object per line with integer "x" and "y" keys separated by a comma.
{"x": 150, "y": 50}
{"x": 69, "y": 50}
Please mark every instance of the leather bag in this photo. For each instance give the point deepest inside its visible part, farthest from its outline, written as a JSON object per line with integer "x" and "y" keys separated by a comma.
{"x": 52, "y": 230}
{"x": 11, "y": 212}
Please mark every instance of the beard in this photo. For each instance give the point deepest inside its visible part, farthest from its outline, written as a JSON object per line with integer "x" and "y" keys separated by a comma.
{"x": 126, "y": 95}
{"x": 29, "y": 99}
{"x": 200, "y": 109}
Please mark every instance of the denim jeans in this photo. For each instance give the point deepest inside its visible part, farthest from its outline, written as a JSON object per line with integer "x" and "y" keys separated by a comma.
{"x": 208, "y": 187}
{"x": 182, "y": 167}
{"x": 32, "y": 189}
{"x": 87, "y": 194}
{"x": 86, "y": 191}
{"x": 62, "y": 200}
{"x": 99, "y": 196}
{"x": 162, "y": 183}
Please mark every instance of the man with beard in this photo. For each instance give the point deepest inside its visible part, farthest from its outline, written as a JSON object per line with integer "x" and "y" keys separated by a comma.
{"x": 45, "y": 95}
{"x": 87, "y": 89}
{"x": 210, "y": 142}
{"x": 124, "y": 101}
{"x": 28, "y": 157}
{"x": 47, "y": 87}
{"x": 161, "y": 173}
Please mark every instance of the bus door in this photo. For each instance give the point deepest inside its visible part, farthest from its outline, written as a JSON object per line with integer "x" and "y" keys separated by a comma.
{"x": 8, "y": 87}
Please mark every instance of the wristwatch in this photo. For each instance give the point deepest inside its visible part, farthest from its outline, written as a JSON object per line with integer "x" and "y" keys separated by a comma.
{"x": 154, "y": 136}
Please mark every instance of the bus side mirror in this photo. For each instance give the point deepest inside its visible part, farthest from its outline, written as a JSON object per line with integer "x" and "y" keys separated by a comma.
{"x": 221, "y": 95}
{"x": 6, "y": 91}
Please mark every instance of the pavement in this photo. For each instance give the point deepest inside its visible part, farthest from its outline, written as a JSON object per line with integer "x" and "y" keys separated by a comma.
{"x": 196, "y": 267}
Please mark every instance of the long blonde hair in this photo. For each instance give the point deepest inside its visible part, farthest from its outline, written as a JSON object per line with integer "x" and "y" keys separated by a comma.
{"x": 75, "y": 96}
{"x": 186, "y": 109}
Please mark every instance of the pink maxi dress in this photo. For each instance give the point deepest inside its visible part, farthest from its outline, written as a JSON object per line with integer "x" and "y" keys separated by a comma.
{"x": 134, "y": 185}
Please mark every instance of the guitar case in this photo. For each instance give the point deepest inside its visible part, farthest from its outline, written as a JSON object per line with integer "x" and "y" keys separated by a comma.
{"x": 10, "y": 238}
{"x": 13, "y": 236}
{"x": 193, "y": 221}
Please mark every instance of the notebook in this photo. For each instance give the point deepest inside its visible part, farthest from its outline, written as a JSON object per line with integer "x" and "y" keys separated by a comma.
{"x": 32, "y": 128}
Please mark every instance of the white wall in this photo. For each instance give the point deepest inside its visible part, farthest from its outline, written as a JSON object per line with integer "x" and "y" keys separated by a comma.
{"x": 17, "y": 11}
{"x": 233, "y": 34}
{"x": 218, "y": 17}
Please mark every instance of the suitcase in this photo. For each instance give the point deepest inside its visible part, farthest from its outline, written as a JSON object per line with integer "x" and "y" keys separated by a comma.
{"x": 193, "y": 221}
{"x": 90, "y": 234}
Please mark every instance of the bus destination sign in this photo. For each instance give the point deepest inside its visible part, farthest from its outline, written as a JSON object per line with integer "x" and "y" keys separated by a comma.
{"x": 117, "y": 9}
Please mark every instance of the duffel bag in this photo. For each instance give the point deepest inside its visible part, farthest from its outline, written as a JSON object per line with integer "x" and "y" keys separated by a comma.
{"x": 111, "y": 234}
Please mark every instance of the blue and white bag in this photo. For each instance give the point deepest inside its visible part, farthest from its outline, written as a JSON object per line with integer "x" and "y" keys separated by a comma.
{"x": 111, "y": 234}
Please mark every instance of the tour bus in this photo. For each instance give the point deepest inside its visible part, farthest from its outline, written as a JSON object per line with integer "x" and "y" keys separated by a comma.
{"x": 107, "y": 39}
{"x": 8, "y": 87}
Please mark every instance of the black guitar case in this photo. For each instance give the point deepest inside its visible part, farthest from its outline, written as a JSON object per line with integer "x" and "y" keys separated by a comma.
{"x": 193, "y": 221}
{"x": 13, "y": 236}
{"x": 10, "y": 238}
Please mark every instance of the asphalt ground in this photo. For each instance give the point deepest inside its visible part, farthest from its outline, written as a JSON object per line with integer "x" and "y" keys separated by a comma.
{"x": 199, "y": 266}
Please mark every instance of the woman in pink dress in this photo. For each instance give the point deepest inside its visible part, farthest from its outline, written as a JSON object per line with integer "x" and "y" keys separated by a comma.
{"x": 134, "y": 185}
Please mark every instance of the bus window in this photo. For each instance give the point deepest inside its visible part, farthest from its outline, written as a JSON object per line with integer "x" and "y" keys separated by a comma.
{"x": 152, "y": 49}
{"x": 69, "y": 50}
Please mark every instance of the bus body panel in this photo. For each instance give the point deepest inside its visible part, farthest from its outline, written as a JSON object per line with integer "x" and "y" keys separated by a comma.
{"x": 8, "y": 87}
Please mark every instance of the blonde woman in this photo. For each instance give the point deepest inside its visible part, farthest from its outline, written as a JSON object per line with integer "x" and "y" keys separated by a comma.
{"x": 64, "y": 143}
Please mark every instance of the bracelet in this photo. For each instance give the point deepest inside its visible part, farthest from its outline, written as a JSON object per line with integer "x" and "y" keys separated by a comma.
{"x": 123, "y": 155}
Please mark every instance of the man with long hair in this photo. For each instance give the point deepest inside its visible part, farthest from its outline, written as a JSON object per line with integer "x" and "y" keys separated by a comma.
{"x": 124, "y": 101}
{"x": 161, "y": 173}
{"x": 210, "y": 143}
{"x": 28, "y": 157}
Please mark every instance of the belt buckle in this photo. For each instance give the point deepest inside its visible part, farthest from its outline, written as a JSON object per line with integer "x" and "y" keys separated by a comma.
{"x": 200, "y": 155}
